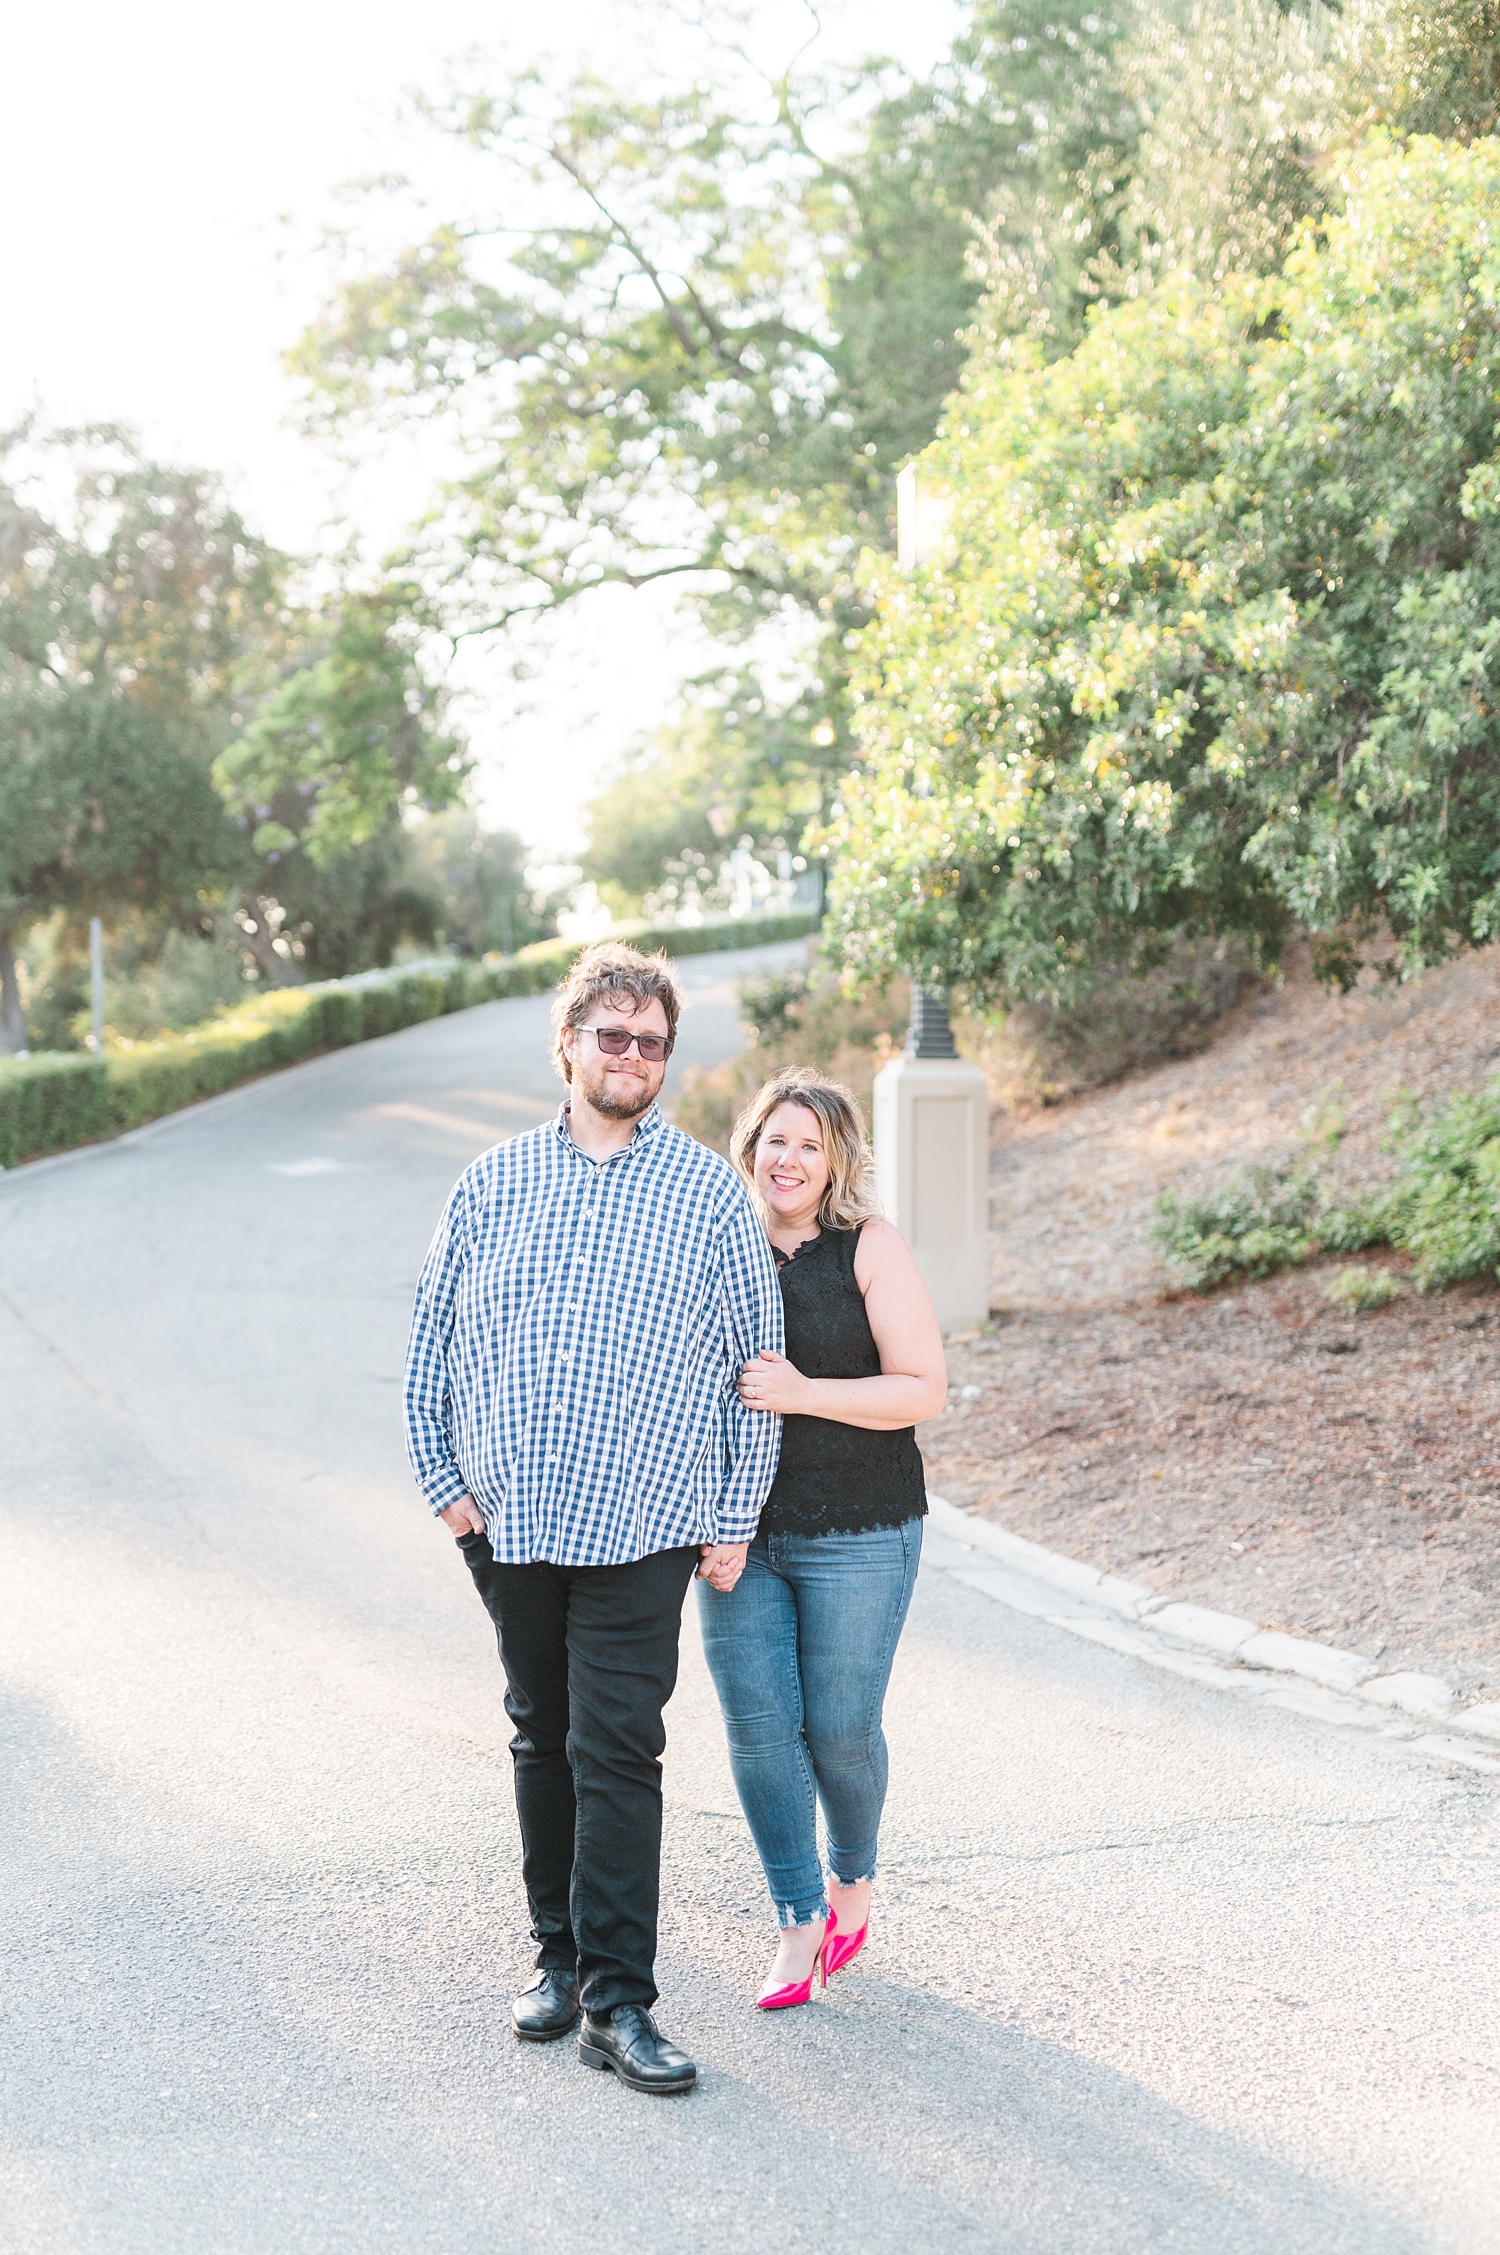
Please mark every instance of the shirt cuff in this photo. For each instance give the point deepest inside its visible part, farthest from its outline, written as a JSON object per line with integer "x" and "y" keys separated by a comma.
{"x": 737, "y": 1522}
{"x": 442, "y": 1487}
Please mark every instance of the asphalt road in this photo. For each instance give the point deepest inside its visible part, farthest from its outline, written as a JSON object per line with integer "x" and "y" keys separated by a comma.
{"x": 1154, "y": 1968}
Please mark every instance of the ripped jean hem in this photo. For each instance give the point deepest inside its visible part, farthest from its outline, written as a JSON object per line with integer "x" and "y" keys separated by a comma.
{"x": 860, "y": 1879}
{"x": 789, "y": 1915}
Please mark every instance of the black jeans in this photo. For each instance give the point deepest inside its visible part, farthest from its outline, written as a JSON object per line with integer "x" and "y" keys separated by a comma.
{"x": 590, "y": 1659}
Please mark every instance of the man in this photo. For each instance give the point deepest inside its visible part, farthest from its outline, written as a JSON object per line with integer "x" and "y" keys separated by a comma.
{"x": 591, "y": 1294}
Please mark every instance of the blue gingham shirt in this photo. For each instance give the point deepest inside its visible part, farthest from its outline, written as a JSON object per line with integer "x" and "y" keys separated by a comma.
{"x": 579, "y": 1331}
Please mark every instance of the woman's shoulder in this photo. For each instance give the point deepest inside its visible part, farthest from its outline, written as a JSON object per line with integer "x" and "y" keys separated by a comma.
{"x": 880, "y": 1243}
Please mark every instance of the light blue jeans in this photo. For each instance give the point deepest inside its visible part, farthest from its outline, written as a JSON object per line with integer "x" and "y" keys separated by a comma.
{"x": 800, "y": 1652}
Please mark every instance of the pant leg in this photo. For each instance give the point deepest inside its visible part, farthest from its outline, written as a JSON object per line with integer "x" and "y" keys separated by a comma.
{"x": 624, "y": 1623}
{"x": 529, "y": 1608}
{"x": 750, "y": 1643}
{"x": 853, "y": 1593}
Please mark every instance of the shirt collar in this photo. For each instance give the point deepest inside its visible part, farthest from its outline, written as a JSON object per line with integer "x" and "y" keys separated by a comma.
{"x": 649, "y": 1125}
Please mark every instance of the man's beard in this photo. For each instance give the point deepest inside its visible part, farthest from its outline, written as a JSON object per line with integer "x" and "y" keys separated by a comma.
{"x": 611, "y": 1107}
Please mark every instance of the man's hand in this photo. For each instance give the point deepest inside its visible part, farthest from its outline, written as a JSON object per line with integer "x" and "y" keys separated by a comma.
{"x": 772, "y": 1383}
{"x": 464, "y": 1517}
{"x": 721, "y": 1564}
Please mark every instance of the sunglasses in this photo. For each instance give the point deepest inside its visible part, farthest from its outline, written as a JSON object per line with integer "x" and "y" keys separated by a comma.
{"x": 614, "y": 1041}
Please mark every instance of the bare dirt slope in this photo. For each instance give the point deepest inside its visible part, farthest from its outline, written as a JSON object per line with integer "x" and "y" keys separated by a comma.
{"x": 1257, "y": 1450}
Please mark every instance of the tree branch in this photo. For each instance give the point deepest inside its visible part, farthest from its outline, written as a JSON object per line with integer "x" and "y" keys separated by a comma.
{"x": 623, "y": 235}
{"x": 612, "y": 576}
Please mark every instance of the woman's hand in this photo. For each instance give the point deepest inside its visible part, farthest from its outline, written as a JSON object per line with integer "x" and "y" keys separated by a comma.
{"x": 721, "y": 1564}
{"x": 773, "y": 1384}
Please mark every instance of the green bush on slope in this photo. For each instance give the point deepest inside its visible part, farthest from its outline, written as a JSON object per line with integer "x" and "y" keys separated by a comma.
{"x": 1442, "y": 1207}
{"x": 1257, "y": 1220}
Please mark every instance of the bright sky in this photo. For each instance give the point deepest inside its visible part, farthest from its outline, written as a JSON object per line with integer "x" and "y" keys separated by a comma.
{"x": 162, "y": 171}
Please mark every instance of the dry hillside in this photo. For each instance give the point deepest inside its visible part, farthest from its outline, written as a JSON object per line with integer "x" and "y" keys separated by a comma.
{"x": 1333, "y": 1475}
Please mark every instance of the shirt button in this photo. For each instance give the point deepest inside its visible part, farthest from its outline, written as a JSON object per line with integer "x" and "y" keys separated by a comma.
{"x": 588, "y": 1213}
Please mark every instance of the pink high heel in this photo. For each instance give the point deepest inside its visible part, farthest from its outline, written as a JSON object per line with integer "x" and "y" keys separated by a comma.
{"x": 842, "y": 1949}
{"x": 800, "y": 1992}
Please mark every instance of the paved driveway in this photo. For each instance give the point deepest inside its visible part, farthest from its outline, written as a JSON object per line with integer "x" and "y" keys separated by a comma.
{"x": 1153, "y": 1969}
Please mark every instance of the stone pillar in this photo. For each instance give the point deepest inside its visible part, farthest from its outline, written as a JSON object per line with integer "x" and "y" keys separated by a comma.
{"x": 932, "y": 1163}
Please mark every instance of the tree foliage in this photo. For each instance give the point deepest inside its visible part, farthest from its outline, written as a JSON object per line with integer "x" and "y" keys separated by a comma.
{"x": 1245, "y": 113}
{"x": 736, "y": 313}
{"x": 692, "y": 331}
{"x": 1216, "y": 648}
{"x": 478, "y": 878}
{"x": 691, "y": 325}
{"x": 734, "y": 763}
{"x": 348, "y": 730}
{"x": 180, "y": 737}
{"x": 124, "y": 606}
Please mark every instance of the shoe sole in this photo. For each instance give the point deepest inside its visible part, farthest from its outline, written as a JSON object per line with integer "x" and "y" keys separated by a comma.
{"x": 544, "y": 2035}
{"x": 606, "y": 2062}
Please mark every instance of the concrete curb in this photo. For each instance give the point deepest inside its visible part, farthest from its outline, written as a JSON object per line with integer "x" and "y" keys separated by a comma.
{"x": 1215, "y": 1648}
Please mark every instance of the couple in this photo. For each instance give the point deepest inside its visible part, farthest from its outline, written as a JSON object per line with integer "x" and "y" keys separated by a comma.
{"x": 604, "y": 1367}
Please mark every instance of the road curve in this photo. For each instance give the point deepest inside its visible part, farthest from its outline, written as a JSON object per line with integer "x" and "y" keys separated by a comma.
{"x": 1153, "y": 1969}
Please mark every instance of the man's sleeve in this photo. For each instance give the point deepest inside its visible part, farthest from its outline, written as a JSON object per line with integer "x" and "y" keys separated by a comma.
{"x": 429, "y": 1440}
{"x": 752, "y": 1298}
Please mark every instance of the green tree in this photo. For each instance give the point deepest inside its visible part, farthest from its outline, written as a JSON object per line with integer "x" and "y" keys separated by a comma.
{"x": 478, "y": 877}
{"x": 180, "y": 738}
{"x": 1436, "y": 66}
{"x": 345, "y": 912}
{"x": 695, "y": 331}
{"x": 1216, "y": 648}
{"x": 338, "y": 732}
{"x": 1249, "y": 108}
{"x": 123, "y": 609}
{"x": 733, "y": 764}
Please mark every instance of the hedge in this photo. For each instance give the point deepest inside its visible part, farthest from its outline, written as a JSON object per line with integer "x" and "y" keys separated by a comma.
{"x": 52, "y": 1103}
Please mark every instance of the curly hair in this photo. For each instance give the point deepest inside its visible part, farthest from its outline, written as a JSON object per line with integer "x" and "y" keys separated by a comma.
{"x": 601, "y": 973}
{"x": 850, "y": 1196}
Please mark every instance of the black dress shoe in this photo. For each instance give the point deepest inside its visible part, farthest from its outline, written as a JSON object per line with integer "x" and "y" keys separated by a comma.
{"x": 630, "y": 2042}
{"x": 547, "y": 2007}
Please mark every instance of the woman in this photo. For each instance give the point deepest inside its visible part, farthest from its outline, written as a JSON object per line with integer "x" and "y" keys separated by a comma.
{"x": 801, "y": 1644}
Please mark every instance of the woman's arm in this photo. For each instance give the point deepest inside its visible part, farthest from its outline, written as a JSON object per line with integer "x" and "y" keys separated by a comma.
{"x": 913, "y": 1381}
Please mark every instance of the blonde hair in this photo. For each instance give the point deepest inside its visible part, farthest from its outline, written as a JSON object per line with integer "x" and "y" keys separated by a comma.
{"x": 850, "y": 1196}
{"x": 602, "y": 972}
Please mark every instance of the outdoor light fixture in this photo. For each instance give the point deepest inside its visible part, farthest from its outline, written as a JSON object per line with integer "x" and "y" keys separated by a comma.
{"x": 930, "y": 1033}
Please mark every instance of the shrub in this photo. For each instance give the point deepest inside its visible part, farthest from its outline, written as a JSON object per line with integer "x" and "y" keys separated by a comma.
{"x": 1349, "y": 1229}
{"x": 1261, "y": 1218}
{"x": 51, "y": 1103}
{"x": 404, "y": 997}
{"x": 1444, "y": 1205}
{"x": 335, "y": 1016}
{"x": 704, "y": 939}
{"x": 1362, "y": 1290}
{"x": 794, "y": 1021}
{"x": 770, "y": 1008}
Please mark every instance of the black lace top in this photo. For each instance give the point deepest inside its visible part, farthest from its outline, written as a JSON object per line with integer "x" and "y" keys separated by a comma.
{"x": 836, "y": 1479}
